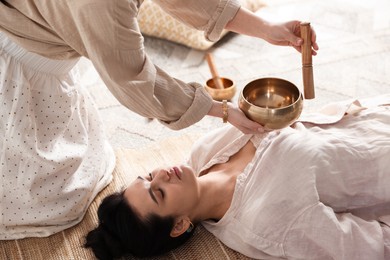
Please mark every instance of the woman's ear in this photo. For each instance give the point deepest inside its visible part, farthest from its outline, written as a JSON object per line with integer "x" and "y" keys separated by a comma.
{"x": 181, "y": 225}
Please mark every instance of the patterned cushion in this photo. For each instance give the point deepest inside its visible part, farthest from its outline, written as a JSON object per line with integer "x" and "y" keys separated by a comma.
{"x": 153, "y": 21}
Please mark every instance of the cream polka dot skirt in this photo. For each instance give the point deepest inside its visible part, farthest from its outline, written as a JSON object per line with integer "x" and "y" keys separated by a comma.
{"x": 54, "y": 156}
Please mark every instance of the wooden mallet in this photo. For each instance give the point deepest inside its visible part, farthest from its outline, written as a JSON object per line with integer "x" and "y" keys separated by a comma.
{"x": 307, "y": 65}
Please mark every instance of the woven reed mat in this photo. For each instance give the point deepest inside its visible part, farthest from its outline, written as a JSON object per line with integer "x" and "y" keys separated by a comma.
{"x": 130, "y": 164}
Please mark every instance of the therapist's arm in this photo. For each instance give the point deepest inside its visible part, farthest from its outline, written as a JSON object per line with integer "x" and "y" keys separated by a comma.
{"x": 282, "y": 34}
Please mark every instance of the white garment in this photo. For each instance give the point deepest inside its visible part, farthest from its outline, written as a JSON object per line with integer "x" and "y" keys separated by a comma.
{"x": 311, "y": 191}
{"x": 54, "y": 157}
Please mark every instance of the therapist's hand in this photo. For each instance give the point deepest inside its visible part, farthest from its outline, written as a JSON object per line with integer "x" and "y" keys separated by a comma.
{"x": 283, "y": 34}
{"x": 239, "y": 120}
{"x": 288, "y": 34}
{"x": 236, "y": 117}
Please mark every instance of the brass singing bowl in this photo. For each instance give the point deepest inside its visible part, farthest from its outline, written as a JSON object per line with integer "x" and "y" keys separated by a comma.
{"x": 227, "y": 92}
{"x": 274, "y": 103}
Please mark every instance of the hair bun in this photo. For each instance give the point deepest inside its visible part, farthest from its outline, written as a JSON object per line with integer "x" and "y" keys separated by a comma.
{"x": 103, "y": 244}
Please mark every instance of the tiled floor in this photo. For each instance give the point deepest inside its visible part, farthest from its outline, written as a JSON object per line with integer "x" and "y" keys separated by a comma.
{"x": 353, "y": 62}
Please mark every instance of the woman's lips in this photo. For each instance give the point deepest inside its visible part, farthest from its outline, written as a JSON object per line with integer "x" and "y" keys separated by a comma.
{"x": 177, "y": 172}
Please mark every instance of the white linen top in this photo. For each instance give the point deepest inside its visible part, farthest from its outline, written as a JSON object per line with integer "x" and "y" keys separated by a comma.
{"x": 312, "y": 191}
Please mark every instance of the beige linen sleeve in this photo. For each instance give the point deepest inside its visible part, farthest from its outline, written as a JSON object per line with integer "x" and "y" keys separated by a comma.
{"x": 210, "y": 16}
{"x": 111, "y": 39}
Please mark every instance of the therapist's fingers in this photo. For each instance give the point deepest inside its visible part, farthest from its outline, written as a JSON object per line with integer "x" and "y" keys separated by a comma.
{"x": 238, "y": 119}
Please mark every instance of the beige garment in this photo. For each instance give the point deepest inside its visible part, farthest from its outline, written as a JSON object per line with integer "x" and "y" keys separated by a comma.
{"x": 107, "y": 33}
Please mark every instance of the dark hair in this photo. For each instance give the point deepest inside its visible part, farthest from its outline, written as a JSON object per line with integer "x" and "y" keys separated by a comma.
{"x": 121, "y": 231}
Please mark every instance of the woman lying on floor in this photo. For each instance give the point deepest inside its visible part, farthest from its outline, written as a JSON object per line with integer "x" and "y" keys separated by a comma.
{"x": 318, "y": 190}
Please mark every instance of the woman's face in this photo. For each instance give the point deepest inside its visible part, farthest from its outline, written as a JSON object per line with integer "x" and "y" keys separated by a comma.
{"x": 165, "y": 192}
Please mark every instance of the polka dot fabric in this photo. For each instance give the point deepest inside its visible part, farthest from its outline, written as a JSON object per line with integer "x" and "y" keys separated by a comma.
{"x": 54, "y": 156}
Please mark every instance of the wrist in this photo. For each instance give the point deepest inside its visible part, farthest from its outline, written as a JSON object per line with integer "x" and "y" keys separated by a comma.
{"x": 225, "y": 111}
{"x": 220, "y": 109}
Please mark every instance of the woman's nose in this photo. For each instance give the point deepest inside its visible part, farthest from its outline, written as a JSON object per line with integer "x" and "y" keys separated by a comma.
{"x": 159, "y": 179}
{"x": 162, "y": 175}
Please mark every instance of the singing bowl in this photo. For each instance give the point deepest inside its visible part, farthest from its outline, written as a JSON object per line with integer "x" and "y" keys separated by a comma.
{"x": 273, "y": 102}
{"x": 227, "y": 92}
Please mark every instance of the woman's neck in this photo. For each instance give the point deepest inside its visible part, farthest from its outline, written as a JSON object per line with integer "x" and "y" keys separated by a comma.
{"x": 217, "y": 184}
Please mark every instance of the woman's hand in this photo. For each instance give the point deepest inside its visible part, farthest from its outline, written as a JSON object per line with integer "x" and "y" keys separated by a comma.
{"x": 288, "y": 34}
{"x": 236, "y": 117}
{"x": 282, "y": 34}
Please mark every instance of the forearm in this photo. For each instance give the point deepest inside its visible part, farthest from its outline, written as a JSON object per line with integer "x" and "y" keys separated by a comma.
{"x": 277, "y": 33}
{"x": 248, "y": 23}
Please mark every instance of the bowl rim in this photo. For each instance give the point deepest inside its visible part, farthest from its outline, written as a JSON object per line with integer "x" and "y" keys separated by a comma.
{"x": 300, "y": 97}
{"x": 217, "y": 89}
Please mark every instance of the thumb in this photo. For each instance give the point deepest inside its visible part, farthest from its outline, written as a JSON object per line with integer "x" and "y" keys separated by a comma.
{"x": 295, "y": 41}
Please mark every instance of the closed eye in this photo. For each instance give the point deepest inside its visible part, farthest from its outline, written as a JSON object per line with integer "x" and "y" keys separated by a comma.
{"x": 162, "y": 193}
{"x": 160, "y": 190}
{"x": 149, "y": 189}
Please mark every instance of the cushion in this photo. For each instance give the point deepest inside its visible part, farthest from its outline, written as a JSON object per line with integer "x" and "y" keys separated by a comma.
{"x": 130, "y": 164}
{"x": 153, "y": 21}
